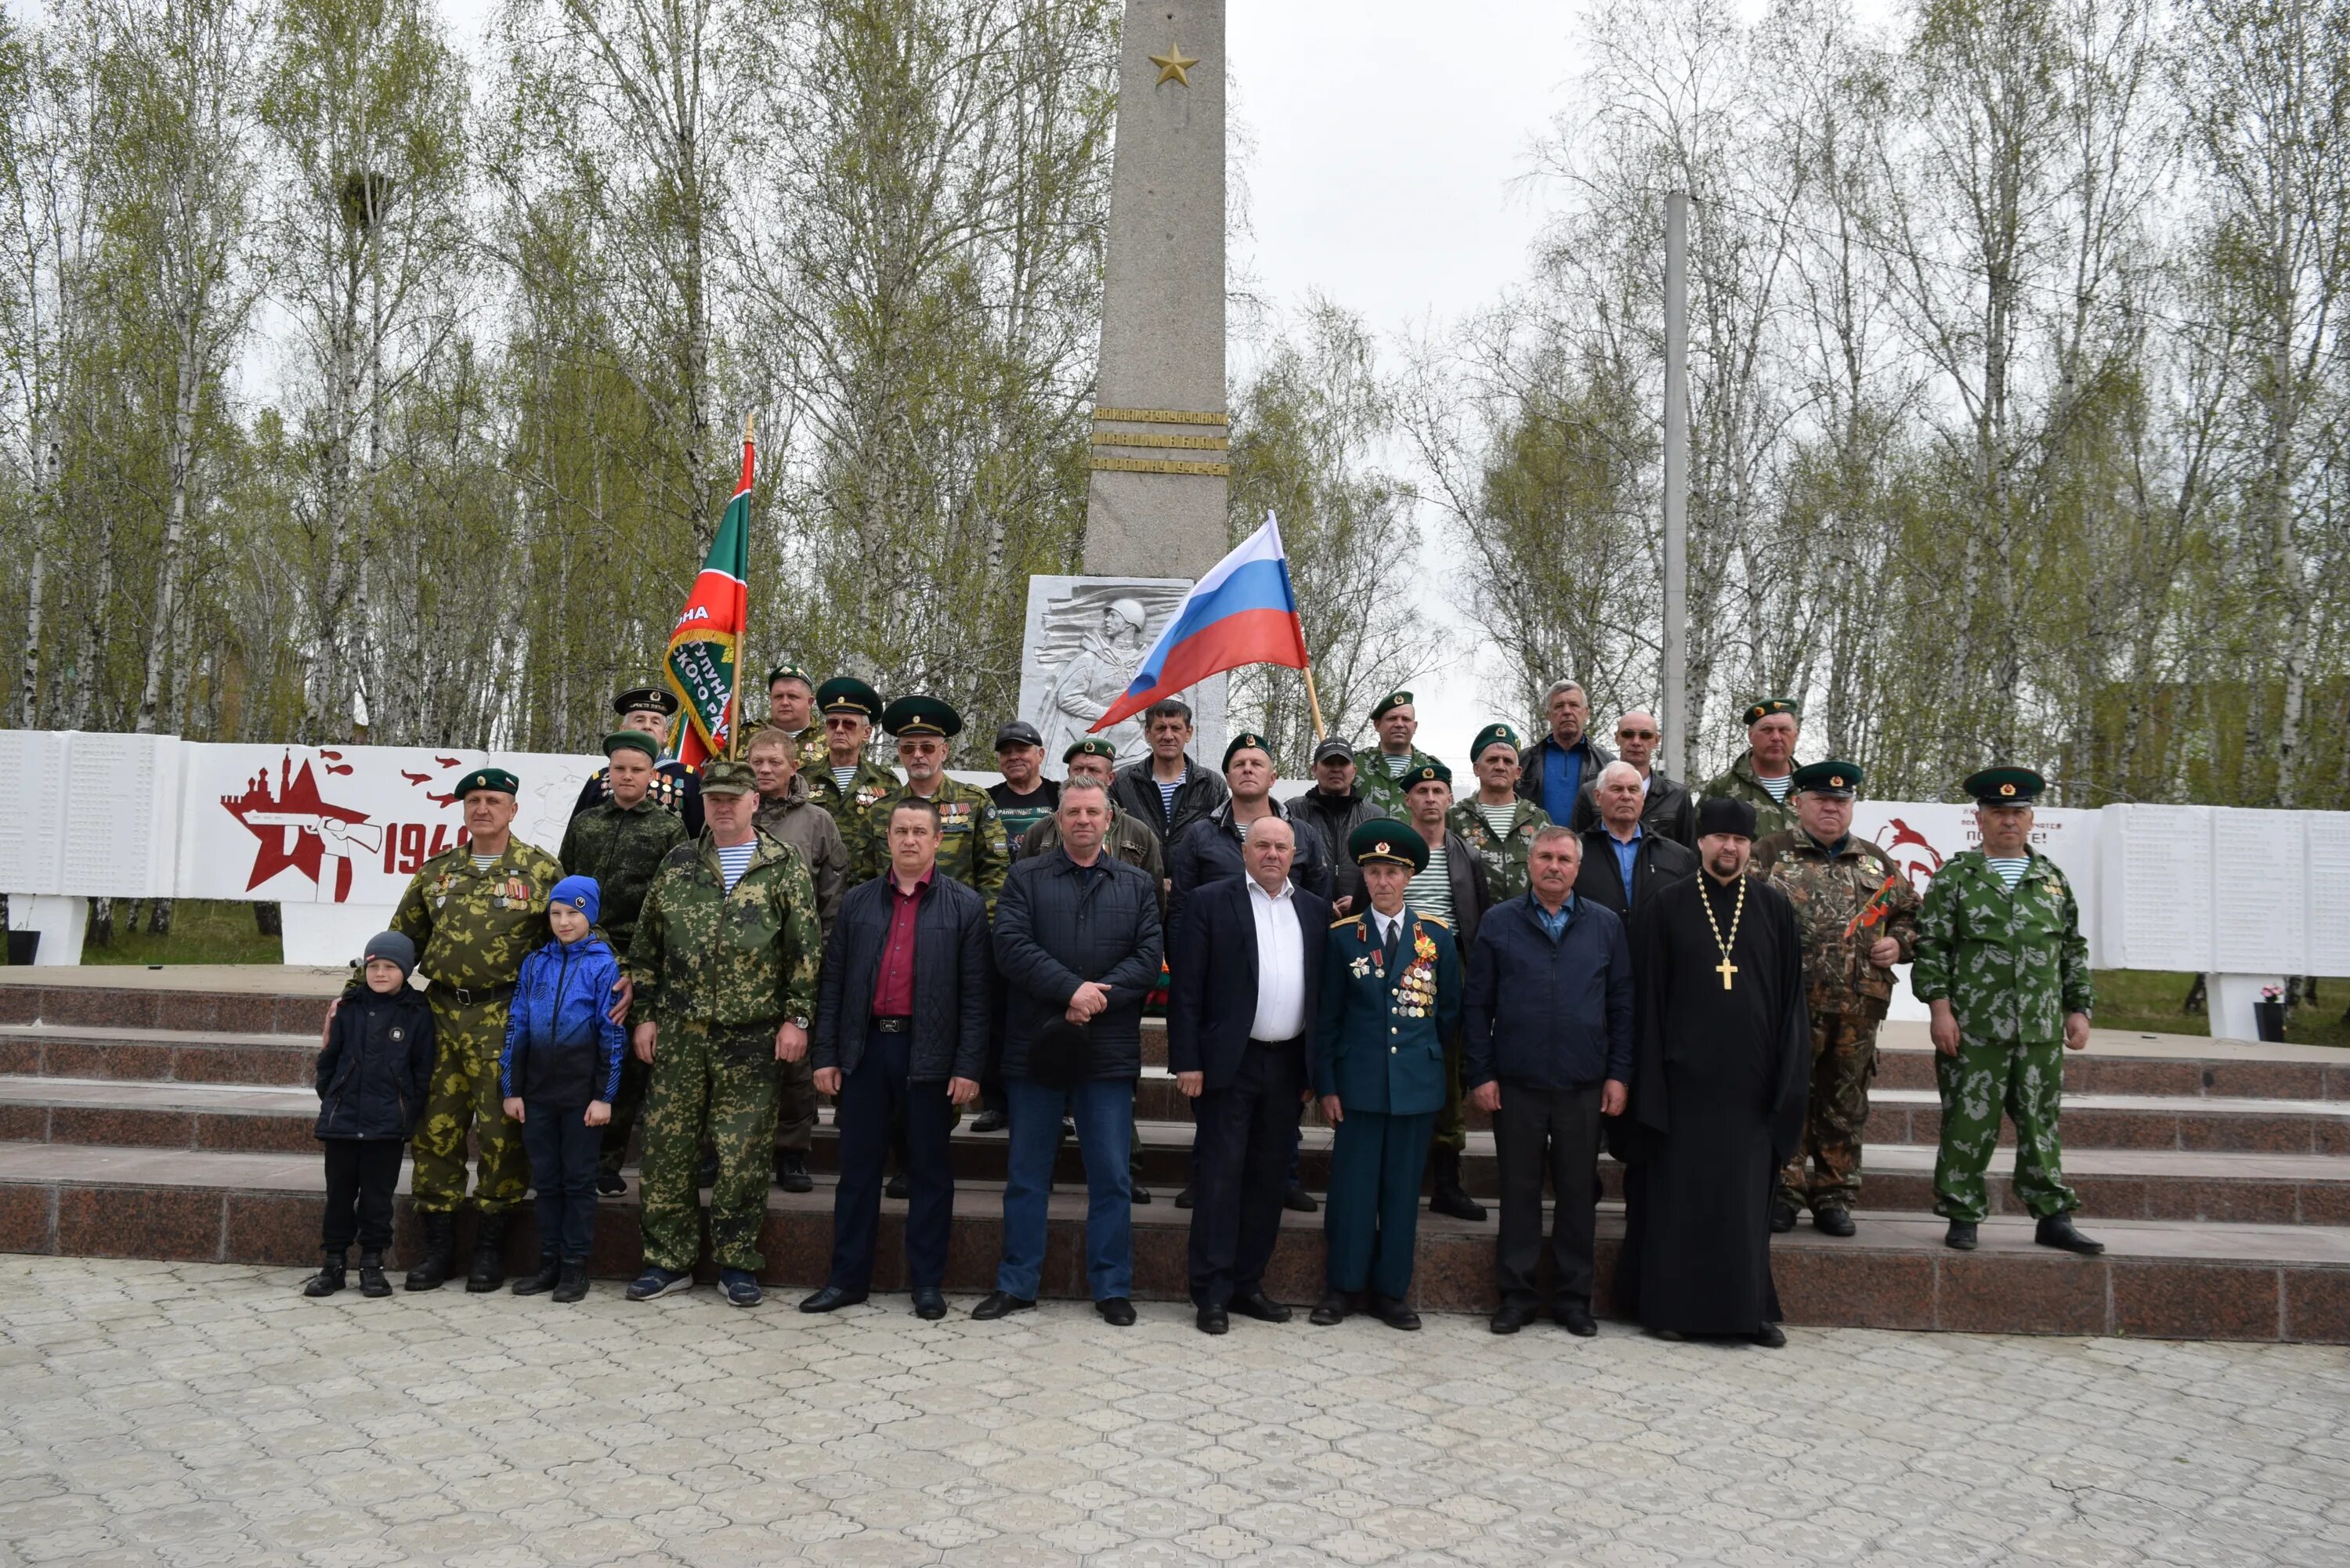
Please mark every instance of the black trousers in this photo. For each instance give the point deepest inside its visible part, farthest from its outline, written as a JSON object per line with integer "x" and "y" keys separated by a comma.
{"x": 1556, "y": 1130}
{"x": 1242, "y": 1147}
{"x": 360, "y": 1174}
{"x": 876, "y": 1101}
{"x": 563, "y": 1150}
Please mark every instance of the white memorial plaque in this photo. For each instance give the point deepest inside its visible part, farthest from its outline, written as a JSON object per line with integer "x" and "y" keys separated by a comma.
{"x": 2326, "y": 834}
{"x": 119, "y": 820}
{"x": 1085, "y": 640}
{"x": 2157, "y": 888}
{"x": 29, "y": 840}
{"x": 2260, "y": 892}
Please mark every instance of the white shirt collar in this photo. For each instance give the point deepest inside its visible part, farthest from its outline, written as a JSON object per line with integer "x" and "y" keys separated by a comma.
{"x": 1257, "y": 888}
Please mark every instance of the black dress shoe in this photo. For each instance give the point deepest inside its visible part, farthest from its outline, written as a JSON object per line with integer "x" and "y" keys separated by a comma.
{"x": 1961, "y": 1235}
{"x": 1299, "y": 1200}
{"x": 550, "y": 1273}
{"x": 930, "y": 1303}
{"x": 1510, "y": 1316}
{"x": 1259, "y": 1306}
{"x": 791, "y": 1172}
{"x": 988, "y": 1121}
{"x": 1214, "y": 1320}
{"x": 1330, "y": 1309}
{"x": 1771, "y": 1336}
{"x": 1183, "y": 1198}
{"x": 1834, "y": 1220}
{"x": 2056, "y": 1230}
{"x": 1669, "y": 1335}
{"x": 1576, "y": 1319}
{"x": 998, "y": 1304}
{"x": 1116, "y": 1311}
{"x": 832, "y": 1298}
{"x": 1456, "y": 1203}
{"x": 896, "y": 1186}
{"x": 1394, "y": 1314}
{"x": 1138, "y": 1193}
{"x": 1783, "y": 1217}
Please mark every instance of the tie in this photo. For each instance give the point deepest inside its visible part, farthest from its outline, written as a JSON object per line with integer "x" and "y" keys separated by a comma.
{"x": 1395, "y": 933}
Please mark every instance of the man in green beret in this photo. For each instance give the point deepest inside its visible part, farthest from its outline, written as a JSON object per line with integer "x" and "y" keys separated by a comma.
{"x": 2003, "y": 965}
{"x": 1764, "y": 777}
{"x": 1390, "y": 997}
{"x": 1497, "y": 823}
{"x": 474, "y": 912}
{"x": 972, "y": 848}
{"x": 791, "y": 708}
{"x": 848, "y": 781}
{"x": 1858, "y": 917}
{"x": 646, "y": 711}
{"x": 1380, "y": 770}
{"x": 724, "y": 964}
{"x": 1449, "y": 886}
{"x": 621, "y": 841}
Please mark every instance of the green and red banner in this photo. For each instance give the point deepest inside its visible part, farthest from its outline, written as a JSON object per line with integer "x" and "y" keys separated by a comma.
{"x": 703, "y": 650}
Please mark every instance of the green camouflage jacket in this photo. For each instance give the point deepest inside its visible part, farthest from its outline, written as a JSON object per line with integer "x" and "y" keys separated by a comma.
{"x": 1380, "y": 787}
{"x": 1504, "y": 856}
{"x": 748, "y": 957}
{"x": 1741, "y": 783}
{"x": 2011, "y": 964}
{"x": 973, "y": 850}
{"x": 474, "y": 927}
{"x": 871, "y": 782}
{"x": 621, "y": 846}
{"x": 1828, "y": 890}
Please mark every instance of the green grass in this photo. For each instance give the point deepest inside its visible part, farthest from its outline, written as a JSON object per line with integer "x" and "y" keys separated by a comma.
{"x": 204, "y": 930}
{"x": 2147, "y": 1000}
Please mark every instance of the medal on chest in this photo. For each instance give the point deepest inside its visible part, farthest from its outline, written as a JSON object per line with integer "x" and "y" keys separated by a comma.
{"x": 954, "y": 817}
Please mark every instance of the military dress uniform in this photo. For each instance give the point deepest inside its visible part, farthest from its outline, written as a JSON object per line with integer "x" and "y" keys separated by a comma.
{"x": 718, "y": 972}
{"x": 473, "y": 926}
{"x": 2012, "y": 963}
{"x": 1386, "y": 1012}
{"x": 1844, "y": 994}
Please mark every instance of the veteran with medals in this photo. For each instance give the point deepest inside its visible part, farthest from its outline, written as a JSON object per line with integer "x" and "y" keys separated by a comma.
{"x": 1722, "y": 1053}
{"x": 1390, "y": 996}
{"x": 847, "y": 782}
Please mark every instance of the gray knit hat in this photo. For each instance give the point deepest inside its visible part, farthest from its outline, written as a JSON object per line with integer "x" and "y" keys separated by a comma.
{"x": 393, "y": 948}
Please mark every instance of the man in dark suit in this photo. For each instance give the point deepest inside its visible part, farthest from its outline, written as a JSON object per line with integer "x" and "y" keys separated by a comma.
{"x": 901, "y": 1026}
{"x": 1246, "y": 968}
{"x": 1623, "y": 861}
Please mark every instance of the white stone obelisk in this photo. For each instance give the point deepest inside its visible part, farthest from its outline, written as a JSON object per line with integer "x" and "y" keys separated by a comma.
{"x": 1160, "y": 433}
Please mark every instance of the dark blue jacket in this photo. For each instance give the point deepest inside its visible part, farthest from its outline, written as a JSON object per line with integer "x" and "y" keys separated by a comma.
{"x": 1208, "y": 851}
{"x": 377, "y": 1064}
{"x": 953, "y": 970}
{"x": 1059, "y": 924}
{"x": 1545, "y": 1014}
{"x": 1377, "y": 1046}
{"x": 562, "y": 1045}
{"x": 1211, "y": 984}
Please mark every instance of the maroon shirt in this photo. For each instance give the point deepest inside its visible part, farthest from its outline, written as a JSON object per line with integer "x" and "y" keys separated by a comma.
{"x": 893, "y": 985}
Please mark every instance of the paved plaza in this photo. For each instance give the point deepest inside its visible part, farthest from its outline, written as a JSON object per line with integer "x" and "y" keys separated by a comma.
{"x": 198, "y": 1413}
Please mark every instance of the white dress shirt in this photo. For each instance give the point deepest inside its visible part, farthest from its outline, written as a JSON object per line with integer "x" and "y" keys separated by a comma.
{"x": 1280, "y": 964}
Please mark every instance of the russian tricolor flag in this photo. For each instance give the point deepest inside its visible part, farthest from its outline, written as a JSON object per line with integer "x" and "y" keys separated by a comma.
{"x": 1241, "y": 612}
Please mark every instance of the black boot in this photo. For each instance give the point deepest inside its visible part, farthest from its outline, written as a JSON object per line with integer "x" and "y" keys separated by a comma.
{"x": 573, "y": 1285}
{"x": 329, "y": 1277}
{"x": 1447, "y": 1198}
{"x": 371, "y": 1280}
{"x": 792, "y": 1171}
{"x": 489, "y": 1254}
{"x": 539, "y": 1283}
{"x": 440, "y": 1259}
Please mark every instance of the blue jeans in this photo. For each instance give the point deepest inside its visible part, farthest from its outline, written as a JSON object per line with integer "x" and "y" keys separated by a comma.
{"x": 1102, "y": 1109}
{"x": 562, "y": 1149}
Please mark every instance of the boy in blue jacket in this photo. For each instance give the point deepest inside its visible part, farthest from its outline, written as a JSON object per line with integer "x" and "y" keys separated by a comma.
{"x": 375, "y": 1062}
{"x": 558, "y": 1074}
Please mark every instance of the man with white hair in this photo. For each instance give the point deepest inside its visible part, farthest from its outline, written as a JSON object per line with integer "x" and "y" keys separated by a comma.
{"x": 1624, "y": 863}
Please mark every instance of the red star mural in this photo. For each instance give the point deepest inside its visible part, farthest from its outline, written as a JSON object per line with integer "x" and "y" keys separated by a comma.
{"x": 294, "y": 826}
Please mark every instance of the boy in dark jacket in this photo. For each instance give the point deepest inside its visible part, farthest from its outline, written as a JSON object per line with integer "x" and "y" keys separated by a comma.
{"x": 558, "y": 1074}
{"x": 375, "y": 1059}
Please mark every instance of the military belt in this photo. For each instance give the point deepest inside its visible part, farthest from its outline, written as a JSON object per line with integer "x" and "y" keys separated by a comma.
{"x": 472, "y": 995}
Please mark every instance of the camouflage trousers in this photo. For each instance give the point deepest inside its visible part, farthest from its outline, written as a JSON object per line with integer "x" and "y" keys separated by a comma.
{"x": 1451, "y": 1118}
{"x": 1844, "y": 1055}
{"x": 725, "y": 1076}
{"x": 2028, "y": 1083}
{"x": 463, "y": 1098}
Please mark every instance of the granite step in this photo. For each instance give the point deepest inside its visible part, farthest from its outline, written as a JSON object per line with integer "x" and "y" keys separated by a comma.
{"x": 157, "y": 1055}
{"x": 2211, "y": 1123}
{"x": 2123, "y": 1063}
{"x": 2158, "y": 1279}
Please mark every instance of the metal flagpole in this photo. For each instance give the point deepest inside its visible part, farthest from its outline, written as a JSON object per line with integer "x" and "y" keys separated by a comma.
{"x": 1675, "y": 714}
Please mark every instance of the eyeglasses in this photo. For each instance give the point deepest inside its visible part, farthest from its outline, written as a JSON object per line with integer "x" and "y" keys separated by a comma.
{"x": 1636, "y": 735}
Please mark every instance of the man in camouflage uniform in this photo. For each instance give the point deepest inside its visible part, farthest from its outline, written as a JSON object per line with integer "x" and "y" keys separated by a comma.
{"x": 1495, "y": 822}
{"x": 724, "y": 964}
{"x": 1382, "y": 771}
{"x": 972, "y": 848}
{"x": 847, "y": 782}
{"x": 2003, "y": 965}
{"x": 621, "y": 841}
{"x": 1834, "y": 881}
{"x": 474, "y": 912}
{"x": 1764, "y": 777}
{"x": 791, "y": 708}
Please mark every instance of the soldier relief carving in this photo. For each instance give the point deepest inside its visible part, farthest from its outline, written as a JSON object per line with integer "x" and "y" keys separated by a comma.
{"x": 1085, "y": 635}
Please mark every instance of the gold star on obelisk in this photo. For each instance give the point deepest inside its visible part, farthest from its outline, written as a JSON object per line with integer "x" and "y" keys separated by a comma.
{"x": 1174, "y": 66}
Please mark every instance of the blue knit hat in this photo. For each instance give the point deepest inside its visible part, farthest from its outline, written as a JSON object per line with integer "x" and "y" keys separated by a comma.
{"x": 580, "y": 893}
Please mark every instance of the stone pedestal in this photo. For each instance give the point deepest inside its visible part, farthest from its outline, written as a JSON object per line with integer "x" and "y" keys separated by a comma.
{"x": 1160, "y": 434}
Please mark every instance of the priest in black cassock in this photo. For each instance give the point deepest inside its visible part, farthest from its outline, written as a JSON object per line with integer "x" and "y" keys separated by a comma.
{"x": 1722, "y": 1057}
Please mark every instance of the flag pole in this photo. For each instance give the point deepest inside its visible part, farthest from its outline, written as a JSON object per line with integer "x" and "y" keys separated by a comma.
{"x": 734, "y": 698}
{"x": 1313, "y": 701}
